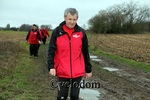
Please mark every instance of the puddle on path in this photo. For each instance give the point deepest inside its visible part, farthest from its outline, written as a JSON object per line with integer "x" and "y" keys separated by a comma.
{"x": 111, "y": 69}
{"x": 93, "y": 57}
{"x": 89, "y": 94}
{"x": 97, "y": 60}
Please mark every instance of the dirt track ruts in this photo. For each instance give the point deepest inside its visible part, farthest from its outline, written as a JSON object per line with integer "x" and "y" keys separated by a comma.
{"x": 125, "y": 84}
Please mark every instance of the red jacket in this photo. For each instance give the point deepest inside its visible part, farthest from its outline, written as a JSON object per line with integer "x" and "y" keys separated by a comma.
{"x": 45, "y": 32}
{"x": 69, "y": 55}
{"x": 33, "y": 37}
{"x": 41, "y": 35}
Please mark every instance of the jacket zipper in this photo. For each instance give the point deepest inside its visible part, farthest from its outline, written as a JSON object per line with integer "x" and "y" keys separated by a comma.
{"x": 70, "y": 55}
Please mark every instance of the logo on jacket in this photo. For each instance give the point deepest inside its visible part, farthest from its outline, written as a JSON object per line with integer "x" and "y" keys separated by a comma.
{"x": 76, "y": 36}
{"x": 35, "y": 33}
{"x": 60, "y": 33}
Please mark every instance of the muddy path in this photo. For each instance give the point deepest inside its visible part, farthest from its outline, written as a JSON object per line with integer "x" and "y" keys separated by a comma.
{"x": 125, "y": 83}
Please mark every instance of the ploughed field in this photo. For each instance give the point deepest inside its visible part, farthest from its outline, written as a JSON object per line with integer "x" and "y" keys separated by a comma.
{"x": 132, "y": 46}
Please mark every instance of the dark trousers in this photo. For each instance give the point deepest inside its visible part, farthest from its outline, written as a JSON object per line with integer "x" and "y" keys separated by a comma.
{"x": 44, "y": 40}
{"x": 63, "y": 88}
{"x": 34, "y": 49}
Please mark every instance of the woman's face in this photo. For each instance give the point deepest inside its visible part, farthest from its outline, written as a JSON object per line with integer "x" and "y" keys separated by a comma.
{"x": 71, "y": 20}
{"x": 34, "y": 27}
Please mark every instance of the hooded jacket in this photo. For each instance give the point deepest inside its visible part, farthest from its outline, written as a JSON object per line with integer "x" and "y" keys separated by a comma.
{"x": 69, "y": 54}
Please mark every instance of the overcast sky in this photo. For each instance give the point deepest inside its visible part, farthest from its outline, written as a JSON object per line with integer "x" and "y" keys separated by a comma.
{"x": 51, "y": 12}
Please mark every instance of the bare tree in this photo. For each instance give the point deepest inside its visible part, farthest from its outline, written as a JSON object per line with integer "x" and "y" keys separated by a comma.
{"x": 49, "y": 27}
{"x": 123, "y": 18}
{"x": 25, "y": 27}
{"x": 7, "y": 27}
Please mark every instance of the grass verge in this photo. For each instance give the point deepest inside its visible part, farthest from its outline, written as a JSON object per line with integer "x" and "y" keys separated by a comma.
{"x": 16, "y": 83}
{"x": 138, "y": 65}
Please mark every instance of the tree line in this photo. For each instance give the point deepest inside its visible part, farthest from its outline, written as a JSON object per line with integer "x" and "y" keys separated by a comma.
{"x": 122, "y": 18}
{"x": 24, "y": 27}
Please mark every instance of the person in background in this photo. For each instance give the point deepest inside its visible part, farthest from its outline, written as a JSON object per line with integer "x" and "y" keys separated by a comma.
{"x": 68, "y": 55}
{"x": 41, "y": 34}
{"x": 34, "y": 39}
{"x": 45, "y": 34}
